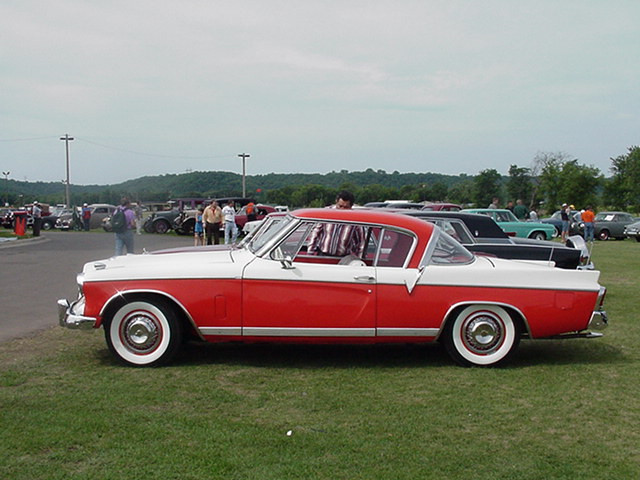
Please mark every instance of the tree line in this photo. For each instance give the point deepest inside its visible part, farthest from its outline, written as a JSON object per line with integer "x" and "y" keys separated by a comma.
{"x": 550, "y": 180}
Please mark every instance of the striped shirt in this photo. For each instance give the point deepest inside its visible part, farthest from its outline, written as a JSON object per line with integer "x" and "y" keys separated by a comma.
{"x": 337, "y": 239}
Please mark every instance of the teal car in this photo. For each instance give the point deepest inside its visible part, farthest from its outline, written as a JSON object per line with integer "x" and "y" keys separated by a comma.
{"x": 514, "y": 227}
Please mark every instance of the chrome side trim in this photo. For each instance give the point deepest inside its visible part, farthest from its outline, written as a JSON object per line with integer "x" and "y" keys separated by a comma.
{"x": 307, "y": 332}
{"x": 233, "y": 331}
{"x": 408, "y": 332}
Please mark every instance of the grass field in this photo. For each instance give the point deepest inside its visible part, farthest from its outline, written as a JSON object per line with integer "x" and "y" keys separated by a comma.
{"x": 560, "y": 410}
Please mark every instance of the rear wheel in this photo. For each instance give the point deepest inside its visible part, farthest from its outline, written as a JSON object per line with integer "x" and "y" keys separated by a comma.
{"x": 481, "y": 335}
{"x": 538, "y": 236}
{"x": 144, "y": 332}
{"x": 604, "y": 235}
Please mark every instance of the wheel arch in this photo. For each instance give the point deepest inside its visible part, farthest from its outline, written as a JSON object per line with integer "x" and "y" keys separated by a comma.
{"x": 515, "y": 313}
{"x": 116, "y": 301}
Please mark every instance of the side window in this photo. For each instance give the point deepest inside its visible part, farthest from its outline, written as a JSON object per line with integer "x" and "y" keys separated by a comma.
{"x": 296, "y": 241}
{"x": 394, "y": 248}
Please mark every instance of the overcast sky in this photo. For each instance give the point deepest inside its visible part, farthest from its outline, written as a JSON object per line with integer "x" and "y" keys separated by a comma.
{"x": 148, "y": 87}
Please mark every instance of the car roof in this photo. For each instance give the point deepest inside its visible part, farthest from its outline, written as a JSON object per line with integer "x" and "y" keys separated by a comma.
{"x": 479, "y": 225}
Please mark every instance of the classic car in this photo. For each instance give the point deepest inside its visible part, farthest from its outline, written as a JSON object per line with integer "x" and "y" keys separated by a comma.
{"x": 480, "y": 234}
{"x": 161, "y": 221}
{"x": 514, "y": 227}
{"x": 556, "y": 221}
{"x": 633, "y": 231}
{"x": 98, "y": 212}
{"x": 441, "y": 206}
{"x": 610, "y": 225}
{"x": 413, "y": 283}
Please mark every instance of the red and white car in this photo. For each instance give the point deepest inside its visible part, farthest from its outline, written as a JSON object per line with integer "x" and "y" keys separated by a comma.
{"x": 412, "y": 284}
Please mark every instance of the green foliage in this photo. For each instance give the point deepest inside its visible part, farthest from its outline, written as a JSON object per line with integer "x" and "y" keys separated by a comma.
{"x": 566, "y": 181}
{"x": 623, "y": 190}
{"x": 486, "y": 186}
{"x": 519, "y": 184}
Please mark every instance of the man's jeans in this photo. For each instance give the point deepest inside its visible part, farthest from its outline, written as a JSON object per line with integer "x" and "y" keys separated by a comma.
{"x": 124, "y": 239}
{"x": 230, "y": 230}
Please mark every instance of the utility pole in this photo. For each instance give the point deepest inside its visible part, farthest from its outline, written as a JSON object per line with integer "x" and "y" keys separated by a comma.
{"x": 244, "y": 156}
{"x": 66, "y": 140}
{"x": 6, "y": 177}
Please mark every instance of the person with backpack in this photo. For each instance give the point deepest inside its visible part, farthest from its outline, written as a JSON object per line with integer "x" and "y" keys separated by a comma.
{"x": 123, "y": 221}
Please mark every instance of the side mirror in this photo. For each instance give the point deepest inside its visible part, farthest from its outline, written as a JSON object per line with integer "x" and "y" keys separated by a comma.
{"x": 285, "y": 260}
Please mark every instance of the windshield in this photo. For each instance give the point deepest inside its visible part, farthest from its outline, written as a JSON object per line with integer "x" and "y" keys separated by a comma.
{"x": 269, "y": 229}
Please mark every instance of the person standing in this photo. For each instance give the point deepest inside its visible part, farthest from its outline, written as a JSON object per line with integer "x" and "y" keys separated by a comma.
{"x": 533, "y": 214}
{"x": 123, "y": 222}
{"x": 138, "y": 212}
{"x": 565, "y": 211}
{"x": 212, "y": 221}
{"x": 230, "y": 227}
{"x": 198, "y": 230}
{"x": 588, "y": 218}
{"x": 36, "y": 213}
{"x": 520, "y": 211}
{"x": 86, "y": 217}
{"x": 495, "y": 203}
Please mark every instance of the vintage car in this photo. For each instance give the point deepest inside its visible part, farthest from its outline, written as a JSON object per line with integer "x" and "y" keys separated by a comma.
{"x": 99, "y": 211}
{"x": 413, "y": 283}
{"x": 514, "y": 227}
{"x": 633, "y": 231}
{"x": 556, "y": 221}
{"x": 441, "y": 207}
{"x": 161, "y": 221}
{"x": 610, "y": 225}
{"x": 482, "y": 235}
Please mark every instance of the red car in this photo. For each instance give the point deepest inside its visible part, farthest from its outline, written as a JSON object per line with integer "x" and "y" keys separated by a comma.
{"x": 411, "y": 283}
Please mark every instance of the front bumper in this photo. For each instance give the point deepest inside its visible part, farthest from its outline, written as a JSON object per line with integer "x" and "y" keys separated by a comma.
{"x": 70, "y": 315}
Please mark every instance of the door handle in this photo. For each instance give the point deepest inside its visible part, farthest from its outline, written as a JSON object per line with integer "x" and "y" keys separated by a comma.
{"x": 364, "y": 278}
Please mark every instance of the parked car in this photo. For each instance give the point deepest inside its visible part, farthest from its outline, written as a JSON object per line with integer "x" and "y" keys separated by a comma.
{"x": 412, "y": 284}
{"x": 556, "y": 221}
{"x": 442, "y": 206}
{"x": 161, "y": 222}
{"x": 611, "y": 225}
{"x": 514, "y": 227}
{"x": 395, "y": 204}
{"x": 633, "y": 231}
{"x": 480, "y": 234}
{"x": 98, "y": 212}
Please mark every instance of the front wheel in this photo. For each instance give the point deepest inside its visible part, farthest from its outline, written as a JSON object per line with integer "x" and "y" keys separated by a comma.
{"x": 144, "y": 333}
{"x": 481, "y": 335}
{"x": 161, "y": 226}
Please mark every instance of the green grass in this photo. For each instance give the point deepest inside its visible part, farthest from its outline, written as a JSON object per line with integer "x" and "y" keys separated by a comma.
{"x": 560, "y": 410}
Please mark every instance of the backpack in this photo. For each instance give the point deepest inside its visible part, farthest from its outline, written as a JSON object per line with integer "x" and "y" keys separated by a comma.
{"x": 119, "y": 221}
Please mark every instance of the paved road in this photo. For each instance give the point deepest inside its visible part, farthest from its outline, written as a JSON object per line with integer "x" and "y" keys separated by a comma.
{"x": 34, "y": 274}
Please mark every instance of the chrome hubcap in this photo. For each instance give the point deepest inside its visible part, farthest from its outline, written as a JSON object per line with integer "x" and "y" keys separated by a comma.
{"x": 483, "y": 334}
{"x": 140, "y": 333}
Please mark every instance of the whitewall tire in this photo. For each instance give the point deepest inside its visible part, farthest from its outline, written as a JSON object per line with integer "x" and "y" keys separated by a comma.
{"x": 144, "y": 333}
{"x": 481, "y": 335}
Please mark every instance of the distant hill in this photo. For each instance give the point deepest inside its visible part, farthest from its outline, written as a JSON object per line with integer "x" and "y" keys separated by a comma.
{"x": 215, "y": 184}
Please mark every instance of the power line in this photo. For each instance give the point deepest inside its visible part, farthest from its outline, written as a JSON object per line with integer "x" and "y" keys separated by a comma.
{"x": 154, "y": 154}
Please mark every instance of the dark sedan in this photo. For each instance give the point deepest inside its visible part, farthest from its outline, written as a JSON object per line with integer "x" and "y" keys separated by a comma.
{"x": 482, "y": 235}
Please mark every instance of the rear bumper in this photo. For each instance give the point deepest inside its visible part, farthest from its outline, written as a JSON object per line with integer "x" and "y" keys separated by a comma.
{"x": 599, "y": 320}
{"x": 70, "y": 315}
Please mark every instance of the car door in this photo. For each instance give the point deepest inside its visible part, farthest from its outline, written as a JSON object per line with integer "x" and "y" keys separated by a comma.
{"x": 288, "y": 293}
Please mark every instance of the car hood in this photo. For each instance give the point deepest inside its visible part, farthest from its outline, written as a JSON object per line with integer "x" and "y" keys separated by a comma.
{"x": 178, "y": 263}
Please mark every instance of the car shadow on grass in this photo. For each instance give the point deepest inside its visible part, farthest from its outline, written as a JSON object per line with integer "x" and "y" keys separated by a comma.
{"x": 529, "y": 353}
